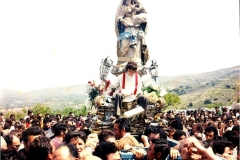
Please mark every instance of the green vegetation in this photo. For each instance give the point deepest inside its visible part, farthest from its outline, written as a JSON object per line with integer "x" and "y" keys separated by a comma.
{"x": 43, "y": 109}
{"x": 171, "y": 99}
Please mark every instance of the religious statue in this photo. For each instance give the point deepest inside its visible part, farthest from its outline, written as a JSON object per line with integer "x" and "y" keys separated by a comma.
{"x": 131, "y": 29}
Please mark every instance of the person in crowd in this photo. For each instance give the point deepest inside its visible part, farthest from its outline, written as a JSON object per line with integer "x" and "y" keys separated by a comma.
{"x": 157, "y": 132}
{"x": 78, "y": 139}
{"x": 47, "y": 127}
{"x": 236, "y": 129}
{"x": 107, "y": 151}
{"x": 122, "y": 133}
{"x": 218, "y": 110}
{"x": 192, "y": 149}
{"x": 3, "y": 144}
{"x": 106, "y": 135}
{"x": 28, "y": 136}
{"x": 13, "y": 144}
{"x": 211, "y": 133}
{"x": 65, "y": 151}
{"x": 41, "y": 149}
{"x": 221, "y": 128}
{"x": 29, "y": 113}
{"x": 159, "y": 149}
{"x": 12, "y": 117}
{"x": 179, "y": 135}
{"x": 223, "y": 148}
{"x": 229, "y": 124}
{"x": 47, "y": 115}
{"x": 59, "y": 130}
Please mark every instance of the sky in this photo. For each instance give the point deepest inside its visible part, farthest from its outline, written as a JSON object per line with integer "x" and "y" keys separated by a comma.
{"x": 52, "y": 43}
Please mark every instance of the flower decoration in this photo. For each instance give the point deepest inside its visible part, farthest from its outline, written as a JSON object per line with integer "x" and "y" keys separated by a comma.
{"x": 94, "y": 90}
{"x": 154, "y": 94}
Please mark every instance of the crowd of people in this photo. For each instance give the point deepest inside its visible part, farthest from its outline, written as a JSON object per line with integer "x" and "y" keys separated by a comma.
{"x": 200, "y": 134}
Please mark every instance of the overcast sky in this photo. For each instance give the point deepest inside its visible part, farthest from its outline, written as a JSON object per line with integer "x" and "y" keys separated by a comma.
{"x": 51, "y": 43}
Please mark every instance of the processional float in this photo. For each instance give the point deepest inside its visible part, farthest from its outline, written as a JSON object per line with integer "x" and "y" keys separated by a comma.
{"x": 131, "y": 29}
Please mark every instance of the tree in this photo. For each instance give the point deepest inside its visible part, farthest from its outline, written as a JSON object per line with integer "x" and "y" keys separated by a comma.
{"x": 39, "y": 108}
{"x": 190, "y": 104}
{"x": 171, "y": 99}
{"x": 228, "y": 86}
{"x": 207, "y": 101}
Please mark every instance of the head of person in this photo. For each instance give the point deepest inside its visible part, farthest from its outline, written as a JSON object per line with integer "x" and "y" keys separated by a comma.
{"x": 157, "y": 132}
{"x": 187, "y": 151}
{"x": 229, "y": 122}
{"x": 236, "y": 129}
{"x": 148, "y": 130}
{"x": 30, "y": 112}
{"x": 158, "y": 149}
{"x": 13, "y": 142}
{"x": 179, "y": 135}
{"x": 121, "y": 127}
{"x": 41, "y": 149}
{"x": 59, "y": 129}
{"x": 221, "y": 125}
{"x": 77, "y": 138}
{"x": 223, "y": 147}
{"x": 131, "y": 68}
{"x": 47, "y": 122}
{"x": 12, "y": 117}
{"x": 107, "y": 151}
{"x": 66, "y": 151}
{"x": 106, "y": 136}
{"x": 36, "y": 122}
{"x": 29, "y": 135}
{"x": 176, "y": 124}
{"x": 211, "y": 132}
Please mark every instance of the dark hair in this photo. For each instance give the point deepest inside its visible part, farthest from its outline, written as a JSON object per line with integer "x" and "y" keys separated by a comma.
{"x": 211, "y": 129}
{"x": 40, "y": 148}
{"x": 8, "y": 138}
{"x": 75, "y": 134}
{"x": 105, "y": 134}
{"x": 131, "y": 65}
{"x": 236, "y": 128}
{"x": 148, "y": 130}
{"x": 161, "y": 145}
{"x": 58, "y": 128}
{"x": 104, "y": 149}
{"x": 178, "y": 133}
{"x": 207, "y": 143}
{"x": 219, "y": 146}
{"x": 176, "y": 124}
{"x": 31, "y": 131}
{"x": 160, "y": 131}
{"x": 36, "y": 122}
{"x": 230, "y": 136}
{"x": 47, "y": 120}
{"x": 30, "y": 111}
{"x": 12, "y": 116}
{"x": 123, "y": 124}
{"x": 71, "y": 148}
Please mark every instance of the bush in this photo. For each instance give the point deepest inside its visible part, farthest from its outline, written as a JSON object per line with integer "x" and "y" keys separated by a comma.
{"x": 38, "y": 108}
{"x": 207, "y": 101}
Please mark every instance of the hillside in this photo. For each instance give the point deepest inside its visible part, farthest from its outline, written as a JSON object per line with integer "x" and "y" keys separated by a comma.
{"x": 217, "y": 86}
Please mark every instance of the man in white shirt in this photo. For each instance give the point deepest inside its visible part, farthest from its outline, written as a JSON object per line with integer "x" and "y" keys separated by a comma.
{"x": 127, "y": 84}
{"x": 30, "y": 113}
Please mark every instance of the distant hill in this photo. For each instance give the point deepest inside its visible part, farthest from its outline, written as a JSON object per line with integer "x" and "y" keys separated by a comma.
{"x": 62, "y": 96}
{"x": 217, "y": 86}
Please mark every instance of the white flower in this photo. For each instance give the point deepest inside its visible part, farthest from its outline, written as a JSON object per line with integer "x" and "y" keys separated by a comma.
{"x": 156, "y": 87}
